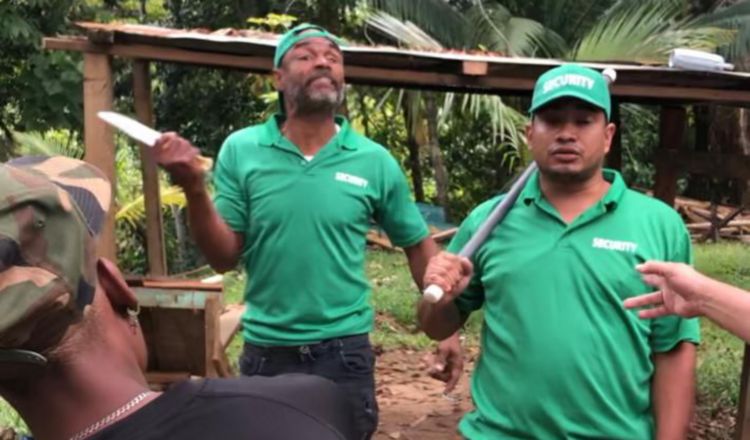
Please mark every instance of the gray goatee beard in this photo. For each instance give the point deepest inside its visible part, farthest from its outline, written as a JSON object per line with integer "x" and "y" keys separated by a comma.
{"x": 315, "y": 102}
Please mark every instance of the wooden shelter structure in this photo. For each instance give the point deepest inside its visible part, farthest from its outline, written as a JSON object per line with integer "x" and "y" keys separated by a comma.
{"x": 672, "y": 90}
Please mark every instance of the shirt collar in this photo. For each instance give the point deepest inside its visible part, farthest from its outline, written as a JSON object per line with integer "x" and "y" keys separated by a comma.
{"x": 274, "y": 138}
{"x": 532, "y": 192}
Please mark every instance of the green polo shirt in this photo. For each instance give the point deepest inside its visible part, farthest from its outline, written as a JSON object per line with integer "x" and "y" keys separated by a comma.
{"x": 304, "y": 224}
{"x": 561, "y": 357}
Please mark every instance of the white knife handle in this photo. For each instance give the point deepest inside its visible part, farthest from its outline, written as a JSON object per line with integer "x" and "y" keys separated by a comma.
{"x": 433, "y": 293}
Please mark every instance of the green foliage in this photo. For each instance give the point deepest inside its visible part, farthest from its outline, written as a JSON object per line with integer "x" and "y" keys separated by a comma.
{"x": 569, "y": 19}
{"x": 720, "y": 354}
{"x": 479, "y": 168}
{"x": 735, "y": 16}
{"x": 274, "y": 22}
{"x": 51, "y": 143}
{"x": 134, "y": 210}
{"x": 206, "y": 105}
{"x": 657, "y": 25}
{"x": 640, "y": 137}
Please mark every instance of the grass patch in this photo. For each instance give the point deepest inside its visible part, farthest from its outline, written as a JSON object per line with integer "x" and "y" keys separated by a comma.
{"x": 720, "y": 354}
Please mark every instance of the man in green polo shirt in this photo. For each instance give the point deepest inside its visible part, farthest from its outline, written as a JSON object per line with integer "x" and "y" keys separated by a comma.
{"x": 294, "y": 201}
{"x": 561, "y": 357}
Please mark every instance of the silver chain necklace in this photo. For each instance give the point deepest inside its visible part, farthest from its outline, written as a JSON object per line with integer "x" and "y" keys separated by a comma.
{"x": 111, "y": 417}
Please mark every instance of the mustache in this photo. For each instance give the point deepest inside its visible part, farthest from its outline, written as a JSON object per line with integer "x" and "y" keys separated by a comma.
{"x": 567, "y": 148}
{"x": 317, "y": 76}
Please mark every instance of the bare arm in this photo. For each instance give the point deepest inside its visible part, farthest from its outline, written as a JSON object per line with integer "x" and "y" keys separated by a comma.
{"x": 728, "y": 306}
{"x": 686, "y": 292}
{"x": 439, "y": 321}
{"x": 419, "y": 255}
{"x": 673, "y": 391}
{"x": 216, "y": 240}
{"x": 452, "y": 273}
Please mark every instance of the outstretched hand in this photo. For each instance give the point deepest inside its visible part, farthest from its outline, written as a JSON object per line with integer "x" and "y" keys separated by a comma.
{"x": 678, "y": 294}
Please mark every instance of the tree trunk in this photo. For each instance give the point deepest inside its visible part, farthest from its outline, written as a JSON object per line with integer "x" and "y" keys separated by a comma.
{"x": 7, "y": 143}
{"x": 415, "y": 163}
{"x": 436, "y": 156}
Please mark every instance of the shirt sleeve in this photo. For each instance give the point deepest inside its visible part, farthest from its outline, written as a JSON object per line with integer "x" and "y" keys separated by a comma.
{"x": 230, "y": 196}
{"x": 396, "y": 212}
{"x": 472, "y": 298}
{"x": 667, "y": 332}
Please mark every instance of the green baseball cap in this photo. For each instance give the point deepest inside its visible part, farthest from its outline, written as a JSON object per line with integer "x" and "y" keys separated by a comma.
{"x": 51, "y": 210}
{"x": 297, "y": 34}
{"x": 572, "y": 81}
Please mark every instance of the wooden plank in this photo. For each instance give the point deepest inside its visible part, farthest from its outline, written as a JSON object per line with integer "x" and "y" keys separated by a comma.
{"x": 98, "y": 137}
{"x": 181, "y": 284}
{"x": 156, "y": 254}
{"x": 159, "y": 298}
{"x": 672, "y": 123}
{"x": 474, "y": 68}
{"x": 229, "y": 323}
{"x": 614, "y": 157}
{"x": 742, "y": 429}
{"x": 213, "y": 349}
{"x": 175, "y": 338}
{"x": 381, "y": 240}
{"x": 444, "y": 235}
{"x": 402, "y": 76}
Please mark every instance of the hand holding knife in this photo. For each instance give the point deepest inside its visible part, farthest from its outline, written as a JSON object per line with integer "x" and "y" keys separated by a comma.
{"x": 143, "y": 133}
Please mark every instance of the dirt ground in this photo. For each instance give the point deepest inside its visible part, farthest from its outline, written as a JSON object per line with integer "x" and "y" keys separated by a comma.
{"x": 412, "y": 405}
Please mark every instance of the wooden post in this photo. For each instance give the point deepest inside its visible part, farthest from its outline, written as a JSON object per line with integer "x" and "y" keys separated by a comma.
{"x": 157, "y": 262}
{"x": 98, "y": 137}
{"x": 614, "y": 157}
{"x": 671, "y": 137}
{"x": 742, "y": 430}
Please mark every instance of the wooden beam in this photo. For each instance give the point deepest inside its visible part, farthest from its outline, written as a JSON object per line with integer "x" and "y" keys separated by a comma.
{"x": 672, "y": 123}
{"x": 98, "y": 137}
{"x": 614, "y": 157}
{"x": 742, "y": 429}
{"x": 492, "y": 83}
{"x": 157, "y": 260}
{"x": 475, "y": 68}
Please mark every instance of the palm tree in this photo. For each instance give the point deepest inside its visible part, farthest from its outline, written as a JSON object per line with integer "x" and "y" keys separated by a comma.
{"x": 129, "y": 201}
{"x": 435, "y": 25}
{"x": 589, "y": 30}
{"x": 657, "y": 26}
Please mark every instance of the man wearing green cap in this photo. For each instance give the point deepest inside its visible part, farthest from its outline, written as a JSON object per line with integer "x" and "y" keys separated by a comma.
{"x": 561, "y": 357}
{"x": 294, "y": 200}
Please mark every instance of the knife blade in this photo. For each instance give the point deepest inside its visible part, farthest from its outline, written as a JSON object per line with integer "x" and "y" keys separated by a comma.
{"x": 140, "y": 132}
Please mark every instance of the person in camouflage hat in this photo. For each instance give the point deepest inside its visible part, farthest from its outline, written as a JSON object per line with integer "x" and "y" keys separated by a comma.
{"x": 50, "y": 211}
{"x": 72, "y": 355}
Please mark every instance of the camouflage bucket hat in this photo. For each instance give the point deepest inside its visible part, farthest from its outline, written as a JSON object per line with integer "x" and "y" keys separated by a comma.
{"x": 51, "y": 210}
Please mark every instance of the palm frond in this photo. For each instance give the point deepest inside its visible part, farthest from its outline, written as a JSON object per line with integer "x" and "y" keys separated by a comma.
{"x": 134, "y": 211}
{"x": 47, "y": 144}
{"x": 737, "y": 18}
{"x": 436, "y": 17}
{"x": 497, "y": 29}
{"x": 645, "y": 32}
{"x": 404, "y": 32}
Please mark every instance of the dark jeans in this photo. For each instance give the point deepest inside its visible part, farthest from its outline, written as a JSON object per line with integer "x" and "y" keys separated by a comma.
{"x": 349, "y": 361}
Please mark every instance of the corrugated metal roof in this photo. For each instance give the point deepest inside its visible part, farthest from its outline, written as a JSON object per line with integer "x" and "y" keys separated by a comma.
{"x": 442, "y": 70}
